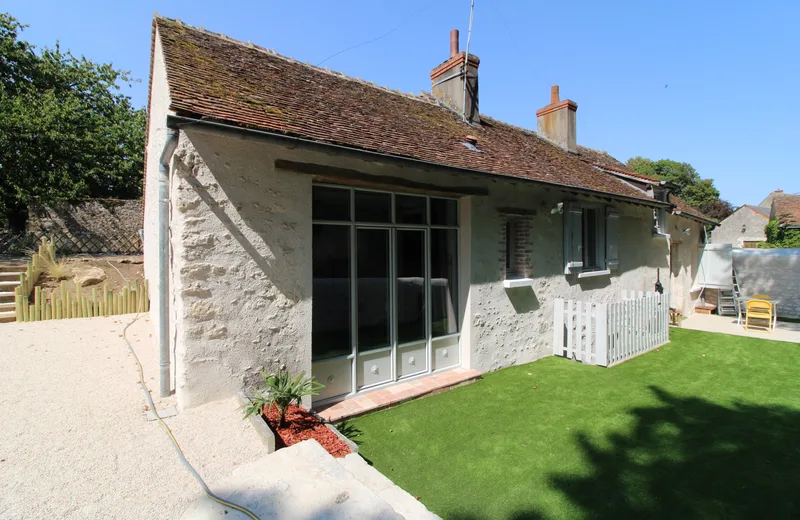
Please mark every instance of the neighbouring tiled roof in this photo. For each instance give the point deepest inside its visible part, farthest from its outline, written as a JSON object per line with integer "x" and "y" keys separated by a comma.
{"x": 213, "y": 77}
{"x": 608, "y": 163}
{"x": 767, "y": 202}
{"x": 761, "y": 210}
{"x": 787, "y": 209}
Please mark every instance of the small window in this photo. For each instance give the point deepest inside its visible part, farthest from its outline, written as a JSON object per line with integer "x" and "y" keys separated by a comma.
{"x": 444, "y": 212}
{"x": 593, "y": 252}
{"x": 517, "y": 248}
{"x": 330, "y": 203}
{"x": 372, "y": 206}
{"x": 591, "y": 239}
{"x": 660, "y": 221}
{"x": 510, "y": 249}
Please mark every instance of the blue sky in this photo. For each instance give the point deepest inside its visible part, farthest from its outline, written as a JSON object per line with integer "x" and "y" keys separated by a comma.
{"x": 712, "y": 83}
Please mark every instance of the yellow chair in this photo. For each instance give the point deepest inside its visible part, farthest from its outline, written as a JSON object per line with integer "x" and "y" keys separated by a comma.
{"x": 759, "y": 314}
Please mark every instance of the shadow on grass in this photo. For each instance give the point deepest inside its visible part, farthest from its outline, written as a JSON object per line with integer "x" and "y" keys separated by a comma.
{"x": 690, "y": 458}
{"x": 687, "y": 458}
{"x": 351, "y": 431}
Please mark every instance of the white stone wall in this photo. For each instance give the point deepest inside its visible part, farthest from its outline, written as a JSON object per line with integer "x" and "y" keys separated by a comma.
{"x": 685, "y": 237}
{"x": 241, "y": 242}
{"x": 512, "y": 326}
{"x": 730, "y": 229}
{"x": 241, "y": 267}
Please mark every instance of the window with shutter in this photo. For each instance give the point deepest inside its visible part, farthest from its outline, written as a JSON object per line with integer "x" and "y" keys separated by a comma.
{"x": 612, "y": 239}
{"x": 573, "y": 240}
{"x": 591, "y": 240}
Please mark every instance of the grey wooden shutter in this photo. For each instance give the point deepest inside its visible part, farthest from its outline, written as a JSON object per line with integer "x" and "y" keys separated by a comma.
{"x": 612, "y": 238}
{"x": 573, "y": 239}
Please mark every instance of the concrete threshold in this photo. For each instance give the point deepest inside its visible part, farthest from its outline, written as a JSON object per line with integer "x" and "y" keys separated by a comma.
{"x": 393, "y": 395}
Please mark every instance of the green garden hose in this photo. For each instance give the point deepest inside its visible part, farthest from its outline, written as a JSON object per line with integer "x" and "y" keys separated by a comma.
{"x": 175, "y": 444}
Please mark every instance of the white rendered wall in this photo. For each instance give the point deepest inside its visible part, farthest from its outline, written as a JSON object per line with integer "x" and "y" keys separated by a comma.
{"x": 242, "y": 262}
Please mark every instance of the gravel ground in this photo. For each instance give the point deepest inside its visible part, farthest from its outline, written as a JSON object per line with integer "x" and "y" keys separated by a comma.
{"x": 74, "y": 442}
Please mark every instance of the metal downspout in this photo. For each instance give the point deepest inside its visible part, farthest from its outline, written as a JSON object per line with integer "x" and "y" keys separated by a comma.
{"x": 163, "y": 261}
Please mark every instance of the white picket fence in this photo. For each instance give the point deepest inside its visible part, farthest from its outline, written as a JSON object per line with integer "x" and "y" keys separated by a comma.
{"x": 609, "y": 333}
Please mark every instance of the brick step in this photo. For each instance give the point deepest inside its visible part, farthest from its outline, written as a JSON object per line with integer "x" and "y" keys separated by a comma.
{"x": 8, "y": 317}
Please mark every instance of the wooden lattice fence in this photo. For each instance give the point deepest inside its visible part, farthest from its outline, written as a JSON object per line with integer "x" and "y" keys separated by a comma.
{"x": 68, "y": 243}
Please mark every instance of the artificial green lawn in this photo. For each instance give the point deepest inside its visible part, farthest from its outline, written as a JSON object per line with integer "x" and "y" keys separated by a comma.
{"x": 707, "y": 426}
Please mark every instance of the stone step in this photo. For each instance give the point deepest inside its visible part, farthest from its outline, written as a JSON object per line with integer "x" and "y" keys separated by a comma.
{"x": 304, "y": 481}
{"x": 7, "y": 296}
{"x": 8, "y": 316}
{"x": 12, "y": 268}
{"x": 400, "y": 500}
{"x": 10, "y": 276}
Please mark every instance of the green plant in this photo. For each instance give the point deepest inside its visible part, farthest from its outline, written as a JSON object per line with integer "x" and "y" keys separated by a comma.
{"x": 779, "y": 236}
{"x": 51, "y": 265}
{"x": 281, "y": 390}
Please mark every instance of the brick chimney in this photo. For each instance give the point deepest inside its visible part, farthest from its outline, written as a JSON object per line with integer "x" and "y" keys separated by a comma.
{"x": 556, "y": 122}
{"x": 447, "y": 81}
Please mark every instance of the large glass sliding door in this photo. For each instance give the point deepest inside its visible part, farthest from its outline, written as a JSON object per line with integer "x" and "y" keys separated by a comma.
{"x": 385, "y": 274}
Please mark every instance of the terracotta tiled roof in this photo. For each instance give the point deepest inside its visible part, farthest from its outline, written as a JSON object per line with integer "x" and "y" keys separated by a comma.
{"x": 213, "y": 77}
{"x": 787, "y": 209}
{"x": 605, "y": 161}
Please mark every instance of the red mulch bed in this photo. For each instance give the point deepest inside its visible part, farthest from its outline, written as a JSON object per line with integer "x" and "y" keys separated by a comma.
{"x": 302, "y": 425}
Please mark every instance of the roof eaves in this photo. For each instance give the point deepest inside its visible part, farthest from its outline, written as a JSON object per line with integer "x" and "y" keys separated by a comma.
{"x": 698, "y": 218}
{"x": 181, "y": 121}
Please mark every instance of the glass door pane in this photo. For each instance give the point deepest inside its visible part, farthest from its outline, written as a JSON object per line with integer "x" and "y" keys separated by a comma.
{"x": 444, "y": 282}
{"x": 330, "y": 314}
{"x": 410, "y": 285}
{"x": 372, "y": 272}
{"x": 331, "y": 335}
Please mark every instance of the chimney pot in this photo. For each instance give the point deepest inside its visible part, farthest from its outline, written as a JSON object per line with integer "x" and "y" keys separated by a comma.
{"x": 557, "y": 123}
{"x": 448, "y": 82}
{"x": 453, "y": 42}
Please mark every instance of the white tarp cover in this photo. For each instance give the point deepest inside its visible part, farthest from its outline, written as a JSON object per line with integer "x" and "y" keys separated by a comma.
{"x": 775, "y": 272}
{"x": 715, "y": 268}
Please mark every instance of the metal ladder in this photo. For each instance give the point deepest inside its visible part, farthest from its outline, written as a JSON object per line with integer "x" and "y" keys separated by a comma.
{"x": 727, "y": 299}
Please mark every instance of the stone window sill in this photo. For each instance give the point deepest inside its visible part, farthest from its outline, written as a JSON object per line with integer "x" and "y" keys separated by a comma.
{"x": 592, "y": 274}
{"x": 512, "y": 283}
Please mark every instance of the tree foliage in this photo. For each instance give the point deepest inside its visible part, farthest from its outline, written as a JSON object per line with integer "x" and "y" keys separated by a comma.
{"x": 696, "y": 191}
{"x": 66, "y": 130}
{"x": 718, "y": 210}
{"x": 779, "y": 236}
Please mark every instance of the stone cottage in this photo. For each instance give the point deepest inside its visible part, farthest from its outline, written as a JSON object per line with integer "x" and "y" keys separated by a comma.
{"x": 298, "y": 218}
{"x": 743, "y": 228}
